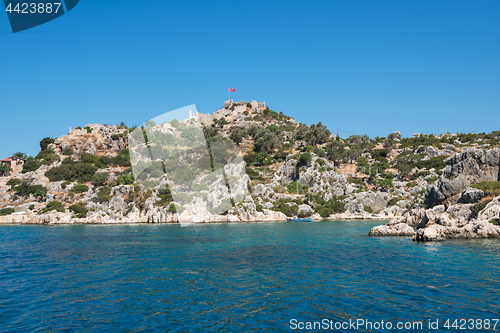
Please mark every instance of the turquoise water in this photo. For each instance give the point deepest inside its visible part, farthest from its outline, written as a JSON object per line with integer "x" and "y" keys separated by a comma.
{"x": 236, "y": 277}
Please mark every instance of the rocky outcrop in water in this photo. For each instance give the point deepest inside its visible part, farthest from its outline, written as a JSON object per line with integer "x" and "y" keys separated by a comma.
{"x": 439, "y": 223}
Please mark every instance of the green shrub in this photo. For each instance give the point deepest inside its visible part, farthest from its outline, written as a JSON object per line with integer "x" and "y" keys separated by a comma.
{"x": 165, "y": 197}
{"x": 436, "y": 162}
{"x": 125, "y": 178}
{"x": 70, "y": 171}
{"x": 103, "y": 195}
{"x": 281, "y": 205}
{"x": 368, "y": 209}
{"x": 31, "y": 207}
{"x": 383, "y": 183}
{"x": 380, "y": 154}
{"x": 122, "y": 159}
{"x": 25, "y": 189}
{"x": 303, "y": 214}
{"x": 45, "y": 143}
{"x": 99, "y": 179}
{"x": 13, "y": 182}
{"x": 6, "y": 211}
{"x": 327, "y": 208}
{"x": 259, "y": 208}
{"x": 80, "y": 188}
{"x": 53, "y": 205}
{"x": 495, "y": 221}
{"x": 476, "y": 208}
{"x": 305, "y": 158}
{"x": 68, "y": 151}
{"x": 30, "y": 165}
{"x": 47, "y": 156}
{"x": 432, "y": 179}
{"x": 79, "y": 210}
{"x": 394, "y": 201}
{"x": 172, "y": 208}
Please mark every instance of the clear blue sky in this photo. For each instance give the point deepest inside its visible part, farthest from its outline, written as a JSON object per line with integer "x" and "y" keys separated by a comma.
{"x": 366, "y": 67}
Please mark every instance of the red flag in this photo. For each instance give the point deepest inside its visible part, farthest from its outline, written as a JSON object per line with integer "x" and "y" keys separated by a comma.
{"x": 231, "y": 89}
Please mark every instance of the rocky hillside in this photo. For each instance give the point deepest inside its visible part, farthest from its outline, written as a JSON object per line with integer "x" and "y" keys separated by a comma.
{"x": 285, "y": 169}
{"x": 463, "y": 203}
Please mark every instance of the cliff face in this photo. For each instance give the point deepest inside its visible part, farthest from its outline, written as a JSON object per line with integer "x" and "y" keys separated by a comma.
{"x": 276, "y": 168}
{"x": 469, "y": 167}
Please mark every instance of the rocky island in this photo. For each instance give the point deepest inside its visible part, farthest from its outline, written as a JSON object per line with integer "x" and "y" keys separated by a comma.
{"x": 431, "y": 187}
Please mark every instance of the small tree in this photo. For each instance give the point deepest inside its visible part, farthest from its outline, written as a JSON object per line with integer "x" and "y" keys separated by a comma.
{"x": 175, "y": 123}
{"x": 45, "y": 142}
{"x": 99, "y": 179}
{"x": 4, "y": 169}
{"x": 237, "y": 135}
{"x": 21, "y": 155}
{"x": 68, "y": 151}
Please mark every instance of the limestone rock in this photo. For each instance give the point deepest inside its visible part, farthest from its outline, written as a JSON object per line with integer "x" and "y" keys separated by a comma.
{"x": 431, "y": 216}
{"x": 491, "y": 211}
{"x": 474, "y": 229}
{"x": 412, "y": 218}
{"x": 392, "y": 212}
{"x": 400, "y": 229}
{"x": 468, "y": 167}
{"x": 263, "y": 191}
{"x": 375, "y": 200}
{"x": 461, "y": 213}
{"x": 471, "y": 195}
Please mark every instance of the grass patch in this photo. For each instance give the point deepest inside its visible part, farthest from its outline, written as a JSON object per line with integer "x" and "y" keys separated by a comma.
{"x": 490, "y": 189}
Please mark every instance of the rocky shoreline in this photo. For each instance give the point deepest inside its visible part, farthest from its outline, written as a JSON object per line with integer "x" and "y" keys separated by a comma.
{"x": 54, "y": 218}
{"x": 456, "y": 211}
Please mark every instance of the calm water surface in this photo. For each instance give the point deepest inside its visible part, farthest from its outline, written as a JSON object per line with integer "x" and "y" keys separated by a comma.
{"x": 235, "y": 277}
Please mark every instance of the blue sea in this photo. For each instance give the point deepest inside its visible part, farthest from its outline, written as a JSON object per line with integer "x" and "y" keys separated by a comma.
{"x": 252, "y": 277}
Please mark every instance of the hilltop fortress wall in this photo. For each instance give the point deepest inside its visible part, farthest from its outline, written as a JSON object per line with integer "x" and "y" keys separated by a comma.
{"x": 239, "y": 107}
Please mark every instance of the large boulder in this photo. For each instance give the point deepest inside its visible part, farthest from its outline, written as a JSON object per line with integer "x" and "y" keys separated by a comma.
{"x": 471, "y": 195}
{"x": 462, "y": 213}
{"x": 431, "y": 216}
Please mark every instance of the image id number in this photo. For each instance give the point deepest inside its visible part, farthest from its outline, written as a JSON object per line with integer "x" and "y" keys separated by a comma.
{"x": 33, "y": 8}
